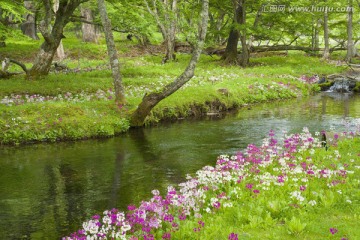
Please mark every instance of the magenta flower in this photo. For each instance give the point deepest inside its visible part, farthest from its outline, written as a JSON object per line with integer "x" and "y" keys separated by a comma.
{"x": 168, "y": 218}
{"x": 166, "y": 236}
{"x": 131, "y": 207}
{"x": 256, "y": 191}
{"x": 149, "y": 237}
{"x": 280, "y": 179}
{"x": 333, "y": 231}
{"x": 249, "y": 186}
{"x": 302, "y": 188}
{"x": 233, "y": 236}
{"x": 182, "y": 217}
{"x": 216, "y": 204}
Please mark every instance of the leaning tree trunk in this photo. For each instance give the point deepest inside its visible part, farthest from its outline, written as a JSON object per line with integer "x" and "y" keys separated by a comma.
{"x": 326, "y": 54}
{"x": 114, "y": 62}
{"x": 52, "y": 35}
{"x": 350, "y": 42}
{"x": 151, "y": 100}
{"x": 28, "y": 27}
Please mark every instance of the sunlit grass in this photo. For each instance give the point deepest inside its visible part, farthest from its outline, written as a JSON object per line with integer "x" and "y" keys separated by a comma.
{"x": 214, "y": 87}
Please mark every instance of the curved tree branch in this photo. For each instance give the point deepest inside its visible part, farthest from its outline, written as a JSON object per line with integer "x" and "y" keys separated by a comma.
{"x": 151, "y": 100}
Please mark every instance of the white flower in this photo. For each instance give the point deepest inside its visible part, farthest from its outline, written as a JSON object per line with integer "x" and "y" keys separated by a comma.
{"x": 312, "y": 202}
{"x": 228, "y": 204}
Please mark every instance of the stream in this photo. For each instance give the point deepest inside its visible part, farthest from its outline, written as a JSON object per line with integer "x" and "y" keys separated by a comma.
{"x": 48, "y": 190}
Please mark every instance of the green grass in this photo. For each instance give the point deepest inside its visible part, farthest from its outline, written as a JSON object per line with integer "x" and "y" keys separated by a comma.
{"x": 269, "y": 215}
{"x": 215, "y": 87}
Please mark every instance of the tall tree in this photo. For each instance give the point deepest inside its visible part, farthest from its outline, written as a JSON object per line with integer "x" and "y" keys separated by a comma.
{"x": 350, "y": 42}
{"x": 326, "y": 53}
{"x": 52, "y": 35}
{"x": 60, "y": 52}
{"x": 238, "y": 31}
{"x": 29, "y": 26}
{"x": 88, "y": 29}
{"x": 114, "y": 62}
{"x": 165, "y": 13}
{"x": 151, "y": 100}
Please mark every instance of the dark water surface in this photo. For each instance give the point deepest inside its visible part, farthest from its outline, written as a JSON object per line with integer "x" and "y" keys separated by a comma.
{"x": 48, "y": 190}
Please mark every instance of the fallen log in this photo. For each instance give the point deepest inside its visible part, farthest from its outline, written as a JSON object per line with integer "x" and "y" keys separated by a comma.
{"x": 288, "y": 48}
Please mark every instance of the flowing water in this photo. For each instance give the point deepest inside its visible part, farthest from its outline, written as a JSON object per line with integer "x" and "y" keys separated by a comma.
{"x": 48, "y": 190}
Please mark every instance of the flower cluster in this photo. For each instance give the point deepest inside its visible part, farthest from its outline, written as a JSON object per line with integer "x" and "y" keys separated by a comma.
{"x": 16, "y": 99}
{"x": 251, "y": 173}
{"x": 309, "y": 79}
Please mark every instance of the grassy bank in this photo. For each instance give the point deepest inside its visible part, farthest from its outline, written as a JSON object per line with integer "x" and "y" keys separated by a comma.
{"x": 78, "y": 104}
{"x": 290, "y": 187}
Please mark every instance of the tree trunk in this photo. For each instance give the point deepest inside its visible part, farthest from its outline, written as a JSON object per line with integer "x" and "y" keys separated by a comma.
{"x": 88, "y": 30}
{"x": 28, "y": 28}
{"x": 60, "y": 49}
{"x": 43, "y": 60}
{"x": 326, "y": 54}
{"x": 255, "y": 25}
{"x": 230, "y": 55}
{"x": 166, "y": 20}
{"x": 245, "y": 55}
{"x": 350, "y": 42}
{"x": 114, "y": 62}
{"x": 151, "y": 100}
{"x": 316, "y": 35}
{"x": 170, "y": 26}
{"x": 52, "y": 35}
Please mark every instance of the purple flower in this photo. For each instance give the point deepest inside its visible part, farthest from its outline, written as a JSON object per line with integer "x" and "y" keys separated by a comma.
{"x": 149, "y": 237}
{"x": 216, "y": 204}
{"x": 168, "y": 218}
{"x": 280, "y": 179}
{"x": 302, "y": 188}
{"x": 233, "y": 236}
{"x": 131, "y": 207}
{"x": 201, "y": 223}
{"x": 166, "y": 236}
{"x": 249, "y": 186}
{"x": 182, "y": 217}
{"x": 333, "y": 231}
{"x": 256, "y": 191}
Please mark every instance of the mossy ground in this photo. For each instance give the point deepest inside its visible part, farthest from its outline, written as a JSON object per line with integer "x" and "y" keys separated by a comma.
{"x": 214, "y": 88}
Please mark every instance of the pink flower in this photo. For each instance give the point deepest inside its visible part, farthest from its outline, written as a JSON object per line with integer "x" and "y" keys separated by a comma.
{"x": 333, "y": 231}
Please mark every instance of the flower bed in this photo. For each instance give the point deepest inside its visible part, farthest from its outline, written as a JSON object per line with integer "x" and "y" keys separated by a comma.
{"x": 268, "y": 185}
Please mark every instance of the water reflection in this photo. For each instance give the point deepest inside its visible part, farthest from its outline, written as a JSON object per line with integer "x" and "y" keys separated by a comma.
{"x": 48, "y": 190}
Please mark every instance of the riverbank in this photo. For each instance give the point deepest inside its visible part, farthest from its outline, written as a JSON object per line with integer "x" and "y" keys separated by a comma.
{"x": 287, "y": 185}
{"x": 78, "y": 103}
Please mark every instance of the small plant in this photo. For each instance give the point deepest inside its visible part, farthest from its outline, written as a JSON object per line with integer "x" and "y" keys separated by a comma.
{"x": 295, "y": 226}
